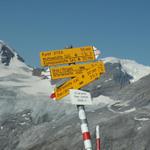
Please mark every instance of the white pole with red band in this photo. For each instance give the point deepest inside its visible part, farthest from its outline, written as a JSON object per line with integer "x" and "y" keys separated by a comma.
{"x": 84, "y": 128}
{"x": 98, "y": 144}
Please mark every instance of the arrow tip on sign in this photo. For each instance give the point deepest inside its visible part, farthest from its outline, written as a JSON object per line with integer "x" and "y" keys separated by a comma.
{"x": 53, "y": 96}
{"x": 97, "y": 52}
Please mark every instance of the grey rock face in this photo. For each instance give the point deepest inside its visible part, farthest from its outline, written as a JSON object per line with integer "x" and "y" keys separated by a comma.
{"x": 11, "y": 127}
{"x": 37, "y": 71}
{"x": 125, "y": 133}
{"x": 6, "y": 55}
{"x": 137, "y": 93}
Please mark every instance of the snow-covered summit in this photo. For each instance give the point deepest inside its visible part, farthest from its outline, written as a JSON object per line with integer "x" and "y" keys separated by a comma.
{"x": 9, "y": 56}
{"x": 11, "y": 61}
{"x": 133, "y": 68}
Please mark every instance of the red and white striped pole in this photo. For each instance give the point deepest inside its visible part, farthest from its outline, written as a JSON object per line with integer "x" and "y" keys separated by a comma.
{"x": 84, "y": 128}
{"x": 98, "y": 144}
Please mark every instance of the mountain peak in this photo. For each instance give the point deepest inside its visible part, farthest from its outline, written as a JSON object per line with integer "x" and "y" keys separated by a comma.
{"x": 136, "y": 70}
{"x": 7, "y": 54}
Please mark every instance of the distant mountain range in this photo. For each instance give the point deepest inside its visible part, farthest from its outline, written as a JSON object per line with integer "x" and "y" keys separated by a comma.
{"x": 30, "y": 120}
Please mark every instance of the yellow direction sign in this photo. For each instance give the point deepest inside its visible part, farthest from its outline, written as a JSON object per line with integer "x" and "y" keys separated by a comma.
{"x": 79, "y": 81}
{"x": 74, "y": 70}
{"x": 66, "y": 56}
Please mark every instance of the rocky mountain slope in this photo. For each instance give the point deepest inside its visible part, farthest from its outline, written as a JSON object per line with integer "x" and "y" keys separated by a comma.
{"x": 7, "y": 54}
{"x": 29, "y": 120}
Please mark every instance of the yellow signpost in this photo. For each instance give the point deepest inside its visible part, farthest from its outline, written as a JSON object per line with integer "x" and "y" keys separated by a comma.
{"x": 81, "y": 74}
{"x": 74, "y": 70}
{"x": 77, "y": 82}
{"x": 67, "y": 56}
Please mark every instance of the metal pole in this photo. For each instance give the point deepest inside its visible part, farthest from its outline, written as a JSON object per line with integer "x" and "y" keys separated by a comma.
{"x": 97, "y": 138}
{"x": 84, "y": 128}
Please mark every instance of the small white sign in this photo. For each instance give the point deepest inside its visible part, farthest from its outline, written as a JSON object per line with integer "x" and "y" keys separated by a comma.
{"x": 79, "y": 97}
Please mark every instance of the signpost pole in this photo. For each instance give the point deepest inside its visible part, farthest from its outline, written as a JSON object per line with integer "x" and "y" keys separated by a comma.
{"x": 97, "y": 138}
{"x": 79, "y": 79}
{"x": 84, "y": 127}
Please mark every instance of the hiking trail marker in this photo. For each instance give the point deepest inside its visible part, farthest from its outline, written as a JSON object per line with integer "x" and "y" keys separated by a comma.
{"x": 67, "y": 56}
{"x": 77, "y": 82}
{"x": 79, "y": 97}
{"x": 80, "y": 74}
{"x": 74, "y": 70}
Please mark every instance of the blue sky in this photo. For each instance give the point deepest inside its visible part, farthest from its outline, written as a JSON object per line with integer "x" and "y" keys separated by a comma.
{"x": 119, "y": 28}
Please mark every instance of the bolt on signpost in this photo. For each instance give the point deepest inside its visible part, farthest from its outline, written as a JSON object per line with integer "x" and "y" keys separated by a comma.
{"x": 80, "y": 74}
